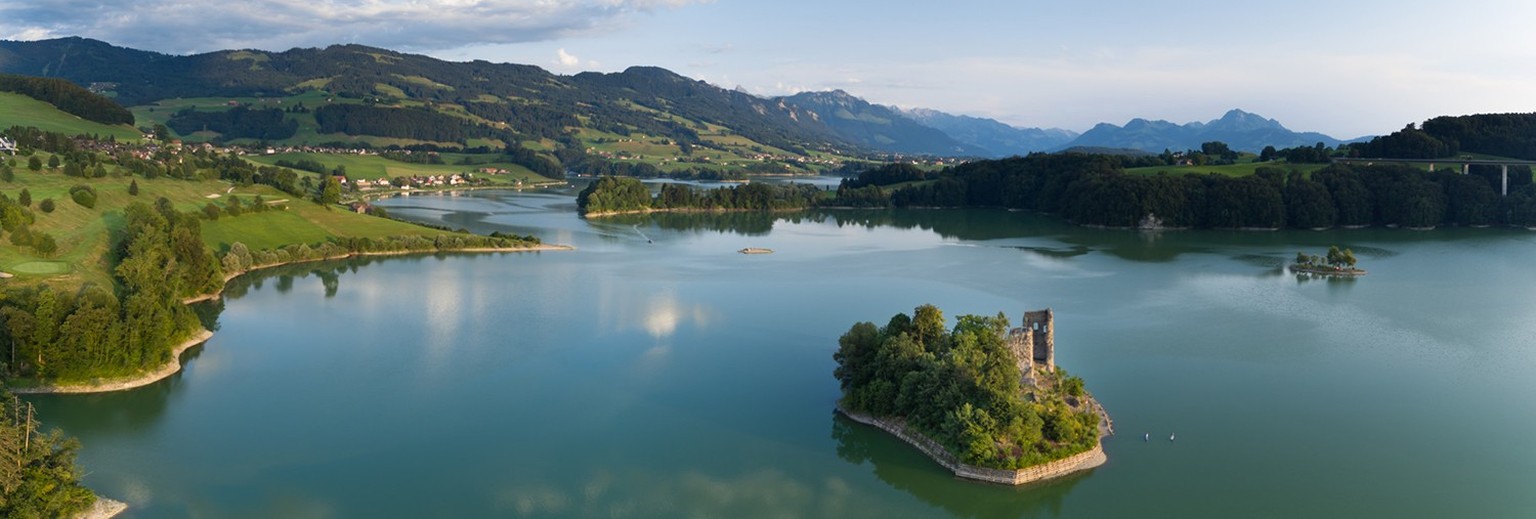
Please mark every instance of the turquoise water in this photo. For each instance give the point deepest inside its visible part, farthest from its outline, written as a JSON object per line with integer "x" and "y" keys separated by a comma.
{"x": 680, "y": 378}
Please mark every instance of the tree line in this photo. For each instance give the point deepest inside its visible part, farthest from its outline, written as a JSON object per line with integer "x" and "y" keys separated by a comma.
{"x": 961, "y": 387}
{"x": 96, "y": 331}
{"x": 403, "y": 123}
{"x": 628, "y": 194}
{"x": 68, "y": 97}
{"x": 1094, "y": 190}
{"x": 236, "y": 123}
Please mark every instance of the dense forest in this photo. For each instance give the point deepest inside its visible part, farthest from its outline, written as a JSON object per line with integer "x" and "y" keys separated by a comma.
{"x": 96, "y": 331}
{"x": 1094, "y": 190}
{"x": 404, "y": 123}
{"x": 628, "y": 194}
{"x": 236, "y": 123}
{"x": 961, "y": 387}
{"x": 67, "y": 96}
{"x": 1503, "y": 135}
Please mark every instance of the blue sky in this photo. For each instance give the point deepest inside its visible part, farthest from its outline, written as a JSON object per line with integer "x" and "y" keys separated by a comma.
{"x": 1346, "y": 68}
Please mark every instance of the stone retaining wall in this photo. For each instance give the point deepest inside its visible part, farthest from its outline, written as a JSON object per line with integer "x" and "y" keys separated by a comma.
{"x": 897, "y": 427}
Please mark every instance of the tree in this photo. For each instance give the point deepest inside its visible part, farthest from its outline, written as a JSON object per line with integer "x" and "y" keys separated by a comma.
{"x": 34, "y": 163}
{"x": 38, "y": 475}
{"x": 133, "y": 188}
{"x": 330, "y": 194}
{"x": 25, "y": 198}
{"x": 211, "y": 211}
{"x": 46, "y": 205}
{"x": 44, "y": 244}
{"x": 1335, "y": 256}
{"x": 53, "y": 162}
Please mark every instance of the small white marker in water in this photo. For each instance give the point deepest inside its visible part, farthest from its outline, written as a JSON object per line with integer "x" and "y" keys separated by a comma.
{"x": 1170, "y": 436}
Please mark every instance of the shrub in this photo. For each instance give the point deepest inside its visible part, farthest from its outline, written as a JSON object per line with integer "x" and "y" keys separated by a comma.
{"x": 46, "y": 205}
{"x": 83, "y": 195}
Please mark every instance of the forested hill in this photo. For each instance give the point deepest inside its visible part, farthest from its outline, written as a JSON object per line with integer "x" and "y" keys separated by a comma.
{"x": 67, "y": 96}
{"x": 533, "y": 101}
{"x": 874, "y": 126}
{"x": 1502, "y": 135}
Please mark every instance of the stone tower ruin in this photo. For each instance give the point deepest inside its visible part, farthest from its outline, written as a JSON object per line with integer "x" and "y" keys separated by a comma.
{"x": 1034, "y": 342}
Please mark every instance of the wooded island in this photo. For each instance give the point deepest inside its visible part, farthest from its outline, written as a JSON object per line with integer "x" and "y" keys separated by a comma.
{"x": 984, "y": 399}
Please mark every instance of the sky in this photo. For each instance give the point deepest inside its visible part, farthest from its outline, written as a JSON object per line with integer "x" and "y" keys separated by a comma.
{"x": 1345, "y": 68}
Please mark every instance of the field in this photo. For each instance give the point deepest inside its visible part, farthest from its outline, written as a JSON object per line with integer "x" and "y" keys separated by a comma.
{"x": 1240, "y": 169}
{"x": 84, "y": 234}
{"x": 375, "y": 167}
{"x": 303, "y": 222}
{"x": 20, "y": 110}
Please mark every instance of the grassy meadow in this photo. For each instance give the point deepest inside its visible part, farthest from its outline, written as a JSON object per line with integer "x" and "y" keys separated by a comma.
{"x": 20, "y": 110}
{"x": 375, "y": 167}
{"x": 1241, "y": 169}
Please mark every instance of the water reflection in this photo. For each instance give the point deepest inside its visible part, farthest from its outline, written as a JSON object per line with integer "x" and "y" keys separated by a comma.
{"x": 908, "y": 470}
{"x": 743, "y": 223}
{"x": 645, "y": 493}
{"x": 1335, "y": 283}
{"x": 90, "y": 415}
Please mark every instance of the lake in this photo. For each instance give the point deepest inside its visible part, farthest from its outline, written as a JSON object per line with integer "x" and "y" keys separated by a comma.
{"x": 656, "y": 372}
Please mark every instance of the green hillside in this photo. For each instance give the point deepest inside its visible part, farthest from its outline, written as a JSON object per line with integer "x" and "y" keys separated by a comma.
{"x": 375, "y": 167}
{"x": 351, "y": 95}
{"x": 20, "y": 110}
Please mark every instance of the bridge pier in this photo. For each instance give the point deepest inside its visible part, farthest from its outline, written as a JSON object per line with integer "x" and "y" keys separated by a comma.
{"x": 1466, "y": 168}
{"x": 1504, "y": 181}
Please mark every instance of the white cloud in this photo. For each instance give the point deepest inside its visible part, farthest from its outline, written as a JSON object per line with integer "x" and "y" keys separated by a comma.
{"x": 181, "y": 26}
{"x": 566, "y": 59}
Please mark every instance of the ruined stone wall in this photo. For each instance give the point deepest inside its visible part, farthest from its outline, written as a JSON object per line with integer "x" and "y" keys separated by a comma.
{"x": 1022, "y": 344}
{"x": 1081, "y": 461}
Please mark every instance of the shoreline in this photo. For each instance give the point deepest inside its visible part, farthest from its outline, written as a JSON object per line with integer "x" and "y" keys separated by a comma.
{"x": 1326, "y": 271}
{"x": 690, "y": 210}
{"x": 1086, "y": 460}
{"x": 171, "y": 367}
{"x": 472, "y": 250}
{"x": 202, "y": 335}
{"x": 103, "y": 508}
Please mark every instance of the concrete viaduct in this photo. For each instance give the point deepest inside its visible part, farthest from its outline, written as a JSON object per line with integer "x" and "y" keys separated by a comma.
{"x": 1465, "y": 164}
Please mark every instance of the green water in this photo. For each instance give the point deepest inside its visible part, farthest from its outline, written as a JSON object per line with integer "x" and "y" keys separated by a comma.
{"x": 682, "y": 379}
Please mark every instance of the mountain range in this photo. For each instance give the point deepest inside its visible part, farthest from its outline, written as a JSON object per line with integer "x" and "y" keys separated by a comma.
{"x": 527, "y": 102}
{"x": 1241, "y": 131}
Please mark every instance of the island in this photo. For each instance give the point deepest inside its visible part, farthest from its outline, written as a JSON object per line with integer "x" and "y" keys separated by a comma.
{"x": 985, "y": 400}
{"x": 1337, "y": 263}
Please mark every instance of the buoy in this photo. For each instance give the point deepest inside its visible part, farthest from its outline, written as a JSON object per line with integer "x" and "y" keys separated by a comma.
{"x": 1146, "y": 437}
{"x": 1170, "y": 436}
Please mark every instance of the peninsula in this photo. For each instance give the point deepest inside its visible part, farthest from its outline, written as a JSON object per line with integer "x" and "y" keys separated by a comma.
{"x": 984, "y": 400}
